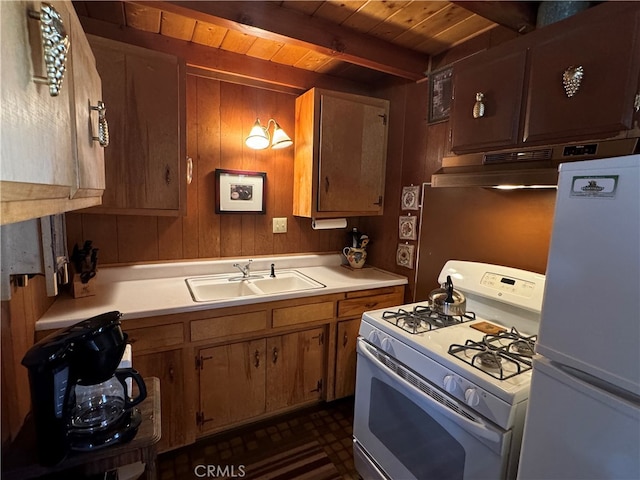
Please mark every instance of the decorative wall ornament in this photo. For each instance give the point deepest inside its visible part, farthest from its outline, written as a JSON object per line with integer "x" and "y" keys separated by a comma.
{"x": 408, "y": 228}
{"x": 571, "y": 79}
{"x": 404, "y": 255}
{"x": 410, "y": 198}
{"x": 478, "y": 107}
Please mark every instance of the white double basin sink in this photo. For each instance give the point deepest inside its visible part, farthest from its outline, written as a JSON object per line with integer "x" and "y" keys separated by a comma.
{"x": 211, "y": 288}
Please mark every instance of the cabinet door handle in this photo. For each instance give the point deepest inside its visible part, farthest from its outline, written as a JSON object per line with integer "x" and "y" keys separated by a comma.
{"x": 189, "y": 170}
{"x": 345, "y": 339}
{"x": 326, "y": 184}
{"x": 478, "y": 107}
{"x": 55, "y": 46}
{"x": 571, "y": 80}
{"x": 274, "y": 355}
{"x": 318, "y": 386}
{"x": 379, "y": 202}
{"x": 167, "y": 175}
{"x": 103, "y": 126}
{"x": 256, "y": 357}
{"x": 171, "y": 372}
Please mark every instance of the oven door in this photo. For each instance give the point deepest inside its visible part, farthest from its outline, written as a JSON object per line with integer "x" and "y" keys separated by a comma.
{"x": 404, "y": 428}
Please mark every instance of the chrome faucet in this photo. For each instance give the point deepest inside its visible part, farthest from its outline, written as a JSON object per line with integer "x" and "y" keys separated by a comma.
{"x": 246, "y": 273}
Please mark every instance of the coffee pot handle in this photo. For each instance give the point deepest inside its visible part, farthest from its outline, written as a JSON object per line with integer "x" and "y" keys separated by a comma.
{"x": 122, "y": 374}
{"x": 345, "y": 251}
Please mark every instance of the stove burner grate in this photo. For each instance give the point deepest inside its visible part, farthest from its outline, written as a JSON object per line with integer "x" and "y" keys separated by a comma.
{"x": 423, "y": 319}
{"x": 502, "y": 355}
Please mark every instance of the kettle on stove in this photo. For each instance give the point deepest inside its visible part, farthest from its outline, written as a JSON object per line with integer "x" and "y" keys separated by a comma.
{"x": 79, "y": 397}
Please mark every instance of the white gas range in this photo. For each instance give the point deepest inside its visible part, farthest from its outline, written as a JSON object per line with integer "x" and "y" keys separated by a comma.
{"x": 464, "y": 378}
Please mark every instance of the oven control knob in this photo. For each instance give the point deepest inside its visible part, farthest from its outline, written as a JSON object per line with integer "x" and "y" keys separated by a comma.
{"x": 450, "y": 384}
{"x": 373, "y": 336}
{"x": 472, "y": 397}
{"x": 386, "y": 344}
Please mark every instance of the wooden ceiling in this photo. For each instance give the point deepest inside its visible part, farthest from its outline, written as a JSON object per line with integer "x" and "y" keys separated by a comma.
{"x": 361, "y": 40}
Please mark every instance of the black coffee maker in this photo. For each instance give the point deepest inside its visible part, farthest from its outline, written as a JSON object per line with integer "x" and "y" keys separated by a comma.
{"x": 79, "y": 396}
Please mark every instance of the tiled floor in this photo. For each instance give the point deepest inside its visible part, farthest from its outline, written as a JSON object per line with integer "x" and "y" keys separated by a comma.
{"x": 328, "y": 423}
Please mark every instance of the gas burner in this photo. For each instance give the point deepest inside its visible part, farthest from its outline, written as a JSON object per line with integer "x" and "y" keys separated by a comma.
{"x": 502, "y": 356}
{"x": 423, "y": 318}
{"x": 516, "y": 342}
{"x": 490, "y": 360}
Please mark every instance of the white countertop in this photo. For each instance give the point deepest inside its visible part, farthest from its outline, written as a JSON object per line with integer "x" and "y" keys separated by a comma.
{"x": 139, "y": 291}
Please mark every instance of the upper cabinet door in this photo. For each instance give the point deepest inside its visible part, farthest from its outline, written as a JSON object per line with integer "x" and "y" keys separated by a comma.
{"x": 50, "y": 163}
{"x": 144, "y": 93}
{"x": 608, "y": 53}
{"x": 353, "y": 142}
{"x": 89, "y": 111}
{"x": 36, "y": 145}
{"x": 498, "y": 77}
{"x": 341, "y": 154}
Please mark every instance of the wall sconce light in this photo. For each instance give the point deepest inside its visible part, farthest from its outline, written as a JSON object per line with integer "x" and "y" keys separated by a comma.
{"x": 259, "y": 139}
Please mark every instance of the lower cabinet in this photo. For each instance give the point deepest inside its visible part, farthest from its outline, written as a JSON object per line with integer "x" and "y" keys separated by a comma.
{"x": 177, "y": 417}
{"x": 232, "y": 383}
{"x": 295, "y": 368}
{"x": 346, "y": 357}
{"x": 350, "y": 312}
{"x": 242, "y": 380}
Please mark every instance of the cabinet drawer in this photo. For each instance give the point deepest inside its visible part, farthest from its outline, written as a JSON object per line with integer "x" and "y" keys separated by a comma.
{"x": 283, "y": 317}
{"x": 356, "y": 306}
{"x": 228, "y": 325}
{"x": 143, "y": 339}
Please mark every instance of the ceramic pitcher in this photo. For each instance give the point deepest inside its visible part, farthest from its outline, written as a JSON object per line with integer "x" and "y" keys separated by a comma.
{"x": 355, "y": 256}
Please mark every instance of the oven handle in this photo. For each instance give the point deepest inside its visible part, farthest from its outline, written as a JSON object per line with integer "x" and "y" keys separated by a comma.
{"x": 479, "y": 429}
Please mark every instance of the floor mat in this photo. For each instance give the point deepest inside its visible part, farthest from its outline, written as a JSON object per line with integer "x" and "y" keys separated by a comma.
{"x": 307, "y": 461}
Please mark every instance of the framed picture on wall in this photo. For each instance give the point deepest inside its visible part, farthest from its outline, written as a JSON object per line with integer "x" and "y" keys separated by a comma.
{"x": 238, "y": 191}
{"x": 440, "y": 89}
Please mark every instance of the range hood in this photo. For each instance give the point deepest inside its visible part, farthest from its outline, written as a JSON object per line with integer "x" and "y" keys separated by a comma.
{"x": 528, "y": 168}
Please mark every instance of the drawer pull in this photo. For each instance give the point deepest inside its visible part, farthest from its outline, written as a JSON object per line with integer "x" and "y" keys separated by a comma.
{"x": 371, "y": 304}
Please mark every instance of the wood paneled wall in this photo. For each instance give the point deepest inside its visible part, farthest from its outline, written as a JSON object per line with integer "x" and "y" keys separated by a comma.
{"x": 219, "y": 116}
{"x": 18, "y": 317}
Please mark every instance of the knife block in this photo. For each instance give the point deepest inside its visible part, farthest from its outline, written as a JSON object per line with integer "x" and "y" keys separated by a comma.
{"x": 79, "y": 289}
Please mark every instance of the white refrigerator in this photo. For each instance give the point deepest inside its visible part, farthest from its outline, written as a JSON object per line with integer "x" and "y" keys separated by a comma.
{"x": 583, "y": 417}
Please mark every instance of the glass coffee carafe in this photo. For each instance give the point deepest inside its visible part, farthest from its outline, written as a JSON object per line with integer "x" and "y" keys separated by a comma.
{"x": 103, "y": 406}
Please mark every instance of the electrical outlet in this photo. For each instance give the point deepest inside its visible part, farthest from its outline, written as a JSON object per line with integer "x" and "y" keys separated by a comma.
{"x": 280, "y": 225}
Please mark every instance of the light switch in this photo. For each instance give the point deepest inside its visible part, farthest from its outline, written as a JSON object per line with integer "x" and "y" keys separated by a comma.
{"x": 280, "y": 225}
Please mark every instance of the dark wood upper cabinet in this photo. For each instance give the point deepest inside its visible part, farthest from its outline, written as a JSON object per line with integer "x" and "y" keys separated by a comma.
{"x": 525, "y": 102}
{"x": 500, "y": 79}
{"x": 609, "y": 54}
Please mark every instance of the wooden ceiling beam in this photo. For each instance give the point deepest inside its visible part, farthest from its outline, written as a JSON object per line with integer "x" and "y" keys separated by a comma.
{"x": 518, "y": 16}
{"x": 216, "y": 60}
{"x": 270, "y": 21}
